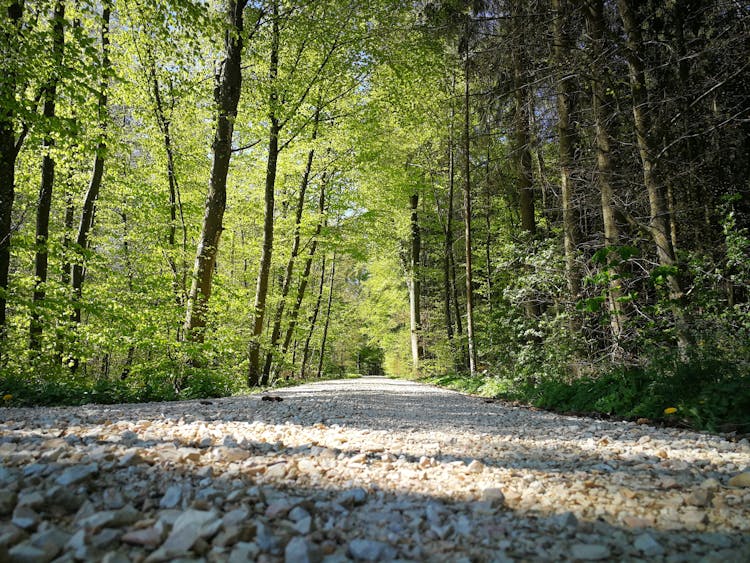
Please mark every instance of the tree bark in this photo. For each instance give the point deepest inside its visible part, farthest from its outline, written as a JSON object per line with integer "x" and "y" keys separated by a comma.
{"x": 261, "y": 291}
{"x": 415, "y": 286}
{"x": 467, "y": 212}
{"x": 287, "y": 281}
{"x": 617, "y": 315}
{"x": 227, "y": 95}
{"x": 92, "y": 193}
{"x": 328, "y": 318}
{"x": 567, "y": 140}
{"x": 313, "y": 320}
{"x": 48, "y": 178}
{"x": 659, "y": 213}
{"x": 9, "y": 146}
{"x": 294, "y": 315}
{"x": 179, "y": 274}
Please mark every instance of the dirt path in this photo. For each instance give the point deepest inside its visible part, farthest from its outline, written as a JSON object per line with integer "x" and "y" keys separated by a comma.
{"x": 368, "y": 470}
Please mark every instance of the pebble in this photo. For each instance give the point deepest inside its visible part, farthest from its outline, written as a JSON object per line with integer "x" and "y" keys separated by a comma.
{"x": 365, "y": 470}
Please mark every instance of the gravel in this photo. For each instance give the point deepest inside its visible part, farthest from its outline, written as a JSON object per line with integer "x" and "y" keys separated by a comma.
{"x": 367, "y": 470}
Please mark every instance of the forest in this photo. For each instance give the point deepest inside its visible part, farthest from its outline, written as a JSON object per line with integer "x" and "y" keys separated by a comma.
{"x": 546, "y": 201}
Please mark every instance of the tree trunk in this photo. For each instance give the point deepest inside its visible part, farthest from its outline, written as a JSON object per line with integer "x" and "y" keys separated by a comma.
{"x": 48, "y": 178}
{"x": 313, "y": 320}
{"x": 448, "y": 242}
{"x": 227, "y": 96}
{"x": 568, "y": 139}
{"x": 415, "y": 286}
{"x": 179, "y": 274}
{"x": 9, "y": 147}
{"x": 328, "y": 318}
{"x": 92, "y": 193}
{"x": 261, "y": 291}
{"x": 617, "y": 315}
{"x": 522, "y": 134}
{"x": 294, "y": 315}
{"x": 287, "y": 281}
{"x": 467, "y": 212}
{"x": 659, "y": 213}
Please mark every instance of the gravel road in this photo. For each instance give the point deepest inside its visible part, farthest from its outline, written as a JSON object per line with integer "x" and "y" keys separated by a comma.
{"x": 366, "y": 470}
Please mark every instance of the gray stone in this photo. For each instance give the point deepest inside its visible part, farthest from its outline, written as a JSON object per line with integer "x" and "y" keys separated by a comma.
{"x": 494, "y": 496}
{"x": 115, "y": 557}
{"x": 589, "y": 552}
{"x": 299, "y": 550}
{"x": 264, "y": 539}
{"x": 244, "y": 552}
{"x": 7, "y": 502}
{"x": 25, "y": 518}
{"x": 172, "y": 497}
{"x": 28, "y": 553}
{"x": 76, "y": 474}
{"x": 646, "y": 544}
{"x": 352, "y": 497}
{"x": 147, "y": 537}
{"x": 111, "y": 518}
{"x": 370, "y": 550}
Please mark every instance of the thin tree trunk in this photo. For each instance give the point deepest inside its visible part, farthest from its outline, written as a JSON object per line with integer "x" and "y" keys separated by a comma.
{"x": 48, "y": 179}
{"x": 227, "y": 96}
{"x": 659, "y": 213}
{"x": 567, "y": 140}
{"x": 130, "y": 274}
{"x": 617, "y": 315}
{"x": 415, "y": 286}
{"x": 467, "y": 213}
{"x": 179, "y": 274}
{"x": 261, "y": 291}
{"x": 522, "y": 135}
{"x": 9, "y": 147}
{"x": 287, "y": 280}
{"x": 294, "y": 315}
{"x": 313, "y": 319}
{"x": 92, "y": 193}
{"x": 328, "y": 319}
{"x": 448, "y": 240}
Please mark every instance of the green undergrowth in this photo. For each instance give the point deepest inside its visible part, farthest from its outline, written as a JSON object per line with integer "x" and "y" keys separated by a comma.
{"x": 700, "y": 394}
{"x": 64, "y": 388}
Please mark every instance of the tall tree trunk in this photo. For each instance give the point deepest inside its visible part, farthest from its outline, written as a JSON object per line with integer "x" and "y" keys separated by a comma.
{"x": 414, "y": 284}
{"x": 287, "y": 280}
{"x": 467, "y": 211}
{"x": 294, "y": 315}
{"x": 313, "y": 319}
{"x": 327, "y": 322}
{"x": 448, "y": 245}
{"x": 595, "y": 22}
{"x": 9, "y": 146}
{"x": 659, "y": 213}
{"x": 568, "y": 140}
{"x": 179, "y": 274}
{"x": 522, "y": 133}
{"x": 261, "y": 291}
{"x": 48, "y": 178}
{"x": 92, "y": 193}
{"x": 227, "y": 96}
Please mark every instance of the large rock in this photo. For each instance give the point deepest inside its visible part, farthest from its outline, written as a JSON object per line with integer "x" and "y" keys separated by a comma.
{"x": 76, "y": 474}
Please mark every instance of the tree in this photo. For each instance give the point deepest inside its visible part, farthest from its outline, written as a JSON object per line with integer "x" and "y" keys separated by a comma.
{"x": 226, "y": 97}
{"x": 47, "y": 175}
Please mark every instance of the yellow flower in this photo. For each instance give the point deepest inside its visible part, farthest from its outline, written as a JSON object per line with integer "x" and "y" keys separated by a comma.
{"x": 670, "y": 410}
{"x": 7, "y": 397}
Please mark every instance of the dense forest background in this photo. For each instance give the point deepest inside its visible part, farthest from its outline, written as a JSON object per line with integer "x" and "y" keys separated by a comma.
{"x": 544, "y": 200}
